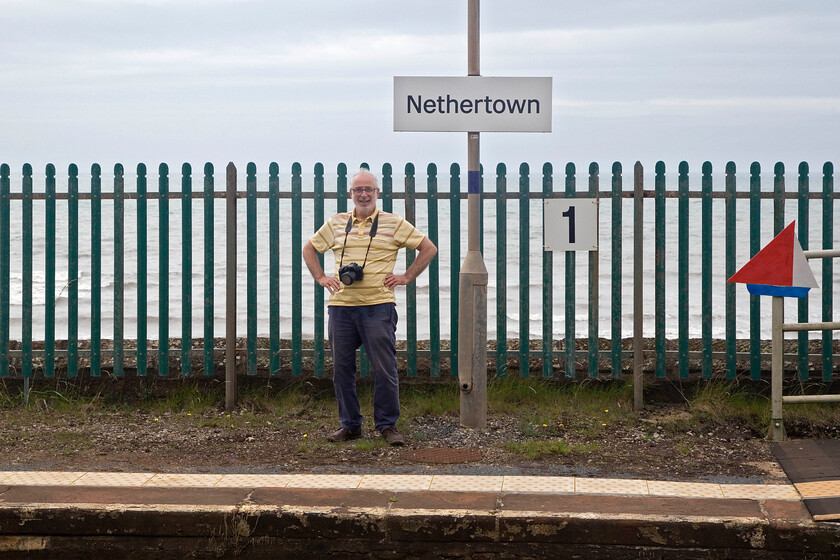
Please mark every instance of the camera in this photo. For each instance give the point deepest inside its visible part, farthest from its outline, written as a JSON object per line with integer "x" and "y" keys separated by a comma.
{"x": 351, "y": 273}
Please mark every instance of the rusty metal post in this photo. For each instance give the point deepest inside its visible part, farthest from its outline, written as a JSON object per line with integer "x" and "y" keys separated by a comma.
{"x": 230, "y": 292}
{"x": 777, "y": 426}
{"x": 472, "y": 306}
{"x": 638, "y": 289}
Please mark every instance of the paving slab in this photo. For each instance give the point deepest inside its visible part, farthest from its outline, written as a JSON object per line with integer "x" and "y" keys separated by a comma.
{"x": 814, "y": 468}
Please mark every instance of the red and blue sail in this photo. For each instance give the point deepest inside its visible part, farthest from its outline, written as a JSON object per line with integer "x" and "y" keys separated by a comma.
{"x": 779, "y": 269}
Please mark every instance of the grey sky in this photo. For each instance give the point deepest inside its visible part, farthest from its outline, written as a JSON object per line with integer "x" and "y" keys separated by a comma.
{"x": 176, "y": 81}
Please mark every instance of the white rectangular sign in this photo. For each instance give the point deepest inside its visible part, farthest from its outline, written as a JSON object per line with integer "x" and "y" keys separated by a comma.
{"x": 570, "y": 224}
{"x": 472, "y": 104}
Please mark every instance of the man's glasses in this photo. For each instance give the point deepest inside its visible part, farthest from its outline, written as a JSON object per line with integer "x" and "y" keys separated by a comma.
{"x": 362, "y": 190}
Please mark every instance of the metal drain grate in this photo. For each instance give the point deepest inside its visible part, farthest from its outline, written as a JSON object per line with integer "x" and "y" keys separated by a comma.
{"x": 443, "y": 455}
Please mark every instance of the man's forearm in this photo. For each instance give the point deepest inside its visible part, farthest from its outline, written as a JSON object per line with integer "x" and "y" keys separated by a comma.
{"x": 310, "y": 257}
{"x": 425, "y": 253}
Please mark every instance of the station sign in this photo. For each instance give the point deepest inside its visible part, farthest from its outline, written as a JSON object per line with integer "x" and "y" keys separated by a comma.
{"x": 472, "y": 104}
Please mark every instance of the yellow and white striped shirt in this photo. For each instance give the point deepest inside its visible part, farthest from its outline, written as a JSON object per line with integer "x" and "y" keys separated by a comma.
{"x": 393, "y": 233}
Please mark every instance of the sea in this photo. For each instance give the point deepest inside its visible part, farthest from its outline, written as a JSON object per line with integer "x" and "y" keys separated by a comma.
{"x": 518, "y": 224}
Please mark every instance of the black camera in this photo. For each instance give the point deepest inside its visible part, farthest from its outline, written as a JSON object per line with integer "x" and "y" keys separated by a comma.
{"x": 351, "y": 273}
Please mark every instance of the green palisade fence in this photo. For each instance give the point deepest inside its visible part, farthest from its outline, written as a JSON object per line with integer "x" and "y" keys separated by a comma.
{"x": 285, "y": 212}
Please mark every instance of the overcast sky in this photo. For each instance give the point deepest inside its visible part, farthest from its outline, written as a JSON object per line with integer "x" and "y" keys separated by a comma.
{"x": 106, "y": 81}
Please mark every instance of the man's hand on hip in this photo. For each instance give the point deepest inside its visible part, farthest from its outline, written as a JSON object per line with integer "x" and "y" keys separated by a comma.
{"x": 331, "y": 283}
{"x": 394, "y": 280}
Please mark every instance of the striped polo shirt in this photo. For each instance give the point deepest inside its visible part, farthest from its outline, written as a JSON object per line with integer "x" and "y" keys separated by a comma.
{"x": 393, "y": 233}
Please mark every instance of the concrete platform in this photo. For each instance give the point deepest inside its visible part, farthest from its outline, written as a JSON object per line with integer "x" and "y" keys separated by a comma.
{"x": 165, "y": 515}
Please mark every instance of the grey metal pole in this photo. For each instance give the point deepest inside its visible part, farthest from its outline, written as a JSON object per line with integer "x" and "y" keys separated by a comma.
{"x": 230, "y": 306}
{"x": 777, "y": 426}
{"x": 472, "y": 307}
{"x": 638, "y": 291}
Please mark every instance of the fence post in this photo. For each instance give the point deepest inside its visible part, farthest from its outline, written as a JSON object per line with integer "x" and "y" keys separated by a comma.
{"x": 5, "y": 272}
{"x": 410, "y": 289}
{"x": 659, "y": 267}
{"x": 755, "y": 247}
{"x": 706, "y": 270}
{"x": 186, "y": 269}
{"x": 730, "y": 270}
{"x": 297, "y": 271}
{"x": 615, "y": 326}
{"x": 594, "y": 347}
{"x": 524, "y": 270}
{"x": 163, "y": 267}
{"x": 49, "y": 276}
{"x": 434, "y": 270}
{"x": 387, "y": 188}
{"x": 682, "y": 269}
{"x": 778, "y": 198}
{"x": 501, "y": 270}
{"x": 802, "y": 306}
{"x": 119, "y": 268}
{"x": 548, "y": 286}
{"x": 454, "y": 263}
{"x": 96, "y": 270}
{"x": 318, "y": 327}
{"x": 571, "y": 273}
{"x": 251, "y": 249}
{"x": 638, "y": 288}
{"x": 209, "y": 264}
{"x": 26, "y": 356}
{"x": 274, "y": 269}
{"x": 73, "y": 271}
{"x": 142, "y": 270}
{"x": 230, "y": 289}
{"x": 827, "y": 268}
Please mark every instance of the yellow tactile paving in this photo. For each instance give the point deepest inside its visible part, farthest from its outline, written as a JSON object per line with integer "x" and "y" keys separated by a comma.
{"x": 185, "y": 480}
{"x": 760, "y": 491}
{"x": 396, "y": 482}
{"x": 341, "y": 481}
{"x": 684, "y": 489}
{"x": 113, "y": 479}
{"x": 462, "y": 483}
{"x": 546, "y": 484}
{"x": 42, "y": 478}
{"x": 611, "y": 486}
{"x": 255, "y": 480}
{"x": 820, "y": 489}
{"x": 455, "y": 483}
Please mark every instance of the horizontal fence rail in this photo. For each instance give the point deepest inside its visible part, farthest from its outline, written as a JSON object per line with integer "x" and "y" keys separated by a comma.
{"x": 699, "y": 233}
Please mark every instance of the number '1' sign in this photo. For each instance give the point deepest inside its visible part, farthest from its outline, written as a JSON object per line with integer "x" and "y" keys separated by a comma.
{"x": 570, "y": 224}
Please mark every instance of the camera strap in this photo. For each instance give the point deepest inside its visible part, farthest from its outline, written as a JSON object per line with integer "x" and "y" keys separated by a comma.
{"x": 347, "y": 231}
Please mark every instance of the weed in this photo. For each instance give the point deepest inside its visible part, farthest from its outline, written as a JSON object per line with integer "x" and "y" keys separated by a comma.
{"x": 368, "y": 444}
{"x": 720, "y": 403}
{"x": 533, "y": 449}
{"x": 685, "y": 449}
{"x": 437, "y": 400}
{"x": 189, "y": 397}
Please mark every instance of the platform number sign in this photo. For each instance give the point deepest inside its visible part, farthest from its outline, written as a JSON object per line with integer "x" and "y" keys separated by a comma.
{"x": 570, "y": 224}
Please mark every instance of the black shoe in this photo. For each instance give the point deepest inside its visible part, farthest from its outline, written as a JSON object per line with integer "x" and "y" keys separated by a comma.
{"x": 343, "y": 434}
{"x": 392, "y": 436}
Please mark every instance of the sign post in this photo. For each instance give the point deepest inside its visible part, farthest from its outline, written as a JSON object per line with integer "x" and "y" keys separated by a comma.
{"x": 472, "y": 104}
{"x": 472, "y": 307}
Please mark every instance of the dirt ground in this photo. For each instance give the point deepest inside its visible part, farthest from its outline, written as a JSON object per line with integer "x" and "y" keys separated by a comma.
{"x": 650, "y": 445}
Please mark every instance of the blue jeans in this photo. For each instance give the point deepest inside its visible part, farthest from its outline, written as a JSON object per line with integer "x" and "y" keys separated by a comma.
{"x": 375, "y": 327}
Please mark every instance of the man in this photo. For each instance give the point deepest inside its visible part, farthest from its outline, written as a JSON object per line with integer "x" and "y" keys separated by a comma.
{"x": 362, "y": 308}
